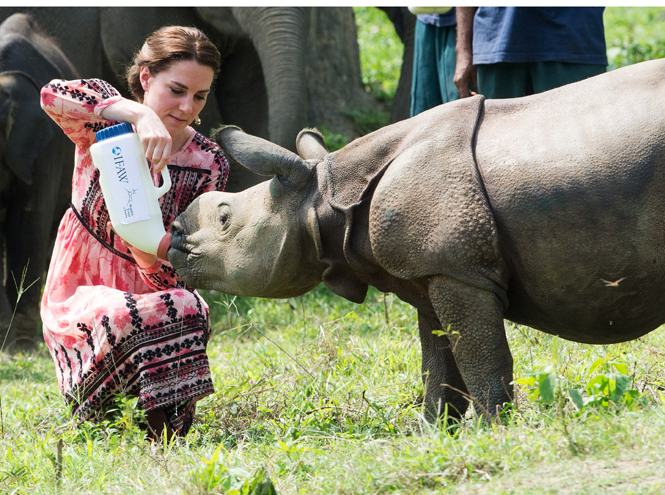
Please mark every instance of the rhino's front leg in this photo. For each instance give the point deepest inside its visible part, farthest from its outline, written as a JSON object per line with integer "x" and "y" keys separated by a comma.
{"x": 473, "y": 319}
{"x": 441, "y": 377}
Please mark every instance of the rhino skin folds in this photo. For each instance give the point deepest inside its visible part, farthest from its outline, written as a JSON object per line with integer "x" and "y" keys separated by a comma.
{"x": 529, "y": 209}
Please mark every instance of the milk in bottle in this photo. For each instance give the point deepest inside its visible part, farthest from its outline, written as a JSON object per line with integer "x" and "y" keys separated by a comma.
{"x": 128, "y": 189}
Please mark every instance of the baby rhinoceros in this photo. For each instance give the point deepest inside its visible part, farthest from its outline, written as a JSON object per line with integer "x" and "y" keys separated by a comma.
{"x": 547, "y": 210}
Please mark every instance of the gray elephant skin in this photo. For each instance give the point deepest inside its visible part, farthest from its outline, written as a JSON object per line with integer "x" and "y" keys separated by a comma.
{"x": 263, "y": 83}
{"x": 546, "y": 211}
{"x": 35, "y": 174}
{"x": 283, "y": 68}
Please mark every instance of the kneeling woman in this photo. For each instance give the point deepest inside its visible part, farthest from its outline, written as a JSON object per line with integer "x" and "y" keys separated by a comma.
{"x": 118, "y": 320}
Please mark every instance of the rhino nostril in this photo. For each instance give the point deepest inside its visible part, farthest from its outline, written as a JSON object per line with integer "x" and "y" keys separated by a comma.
{"x": 177, "y": 227}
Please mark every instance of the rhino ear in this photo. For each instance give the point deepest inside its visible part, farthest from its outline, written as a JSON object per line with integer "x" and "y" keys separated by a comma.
{"x": 263, "y": 157}
{"x": 311, "y": 145}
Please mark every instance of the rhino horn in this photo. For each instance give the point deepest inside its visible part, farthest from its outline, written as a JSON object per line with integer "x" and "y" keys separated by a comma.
{"x": 311, "y": 145}
{"x": 263, "y": 157}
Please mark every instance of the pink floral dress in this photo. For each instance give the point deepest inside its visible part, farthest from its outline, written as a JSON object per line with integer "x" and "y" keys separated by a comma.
{"x": 111, "y": 326}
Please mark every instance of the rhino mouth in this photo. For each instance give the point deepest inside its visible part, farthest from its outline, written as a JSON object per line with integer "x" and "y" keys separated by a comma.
{"x": 178, "y": 251}
{"x": 179, "y": 242}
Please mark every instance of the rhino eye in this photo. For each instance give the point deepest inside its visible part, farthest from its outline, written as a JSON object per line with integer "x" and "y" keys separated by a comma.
{"x": 224, "y": 216}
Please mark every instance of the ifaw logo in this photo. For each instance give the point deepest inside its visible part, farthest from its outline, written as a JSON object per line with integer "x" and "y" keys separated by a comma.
{"x": 116, "y": 151}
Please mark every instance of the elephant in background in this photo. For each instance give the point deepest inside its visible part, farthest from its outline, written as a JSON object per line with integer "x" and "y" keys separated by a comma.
{"x": 101, "y": 42}
{"x": 261, "y": 86}
{"x": 283, "y": 68}
{"x": 35, "y": 174}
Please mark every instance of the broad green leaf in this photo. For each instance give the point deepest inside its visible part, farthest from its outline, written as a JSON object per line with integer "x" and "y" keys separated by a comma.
{"x": 528, "y": 380}
{"x": 597, "y": 384}
{"x": 576, "y": 397}
{"x": 622, "y": 384}
{"x": 620, "y": 367}
{"x": 596, "y": 364}
{"x": 547, "y": 386}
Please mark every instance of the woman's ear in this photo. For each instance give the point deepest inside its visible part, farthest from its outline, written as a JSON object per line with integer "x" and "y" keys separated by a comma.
{"x": 144, "y": 77}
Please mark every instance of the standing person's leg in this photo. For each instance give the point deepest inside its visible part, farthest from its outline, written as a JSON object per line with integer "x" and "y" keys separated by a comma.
{"x": 447, "y": 58}
{"x": 550, "y": 75}
{"x": 503, "y": 80}
{"x": 425, "y": 84}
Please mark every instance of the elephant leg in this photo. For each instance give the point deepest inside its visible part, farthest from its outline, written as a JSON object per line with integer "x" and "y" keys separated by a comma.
{"x": 242, "y": 77}
{"x": 443, "y": 382}
{"x": 473, "y": 319}
{"x": 6, "y": 330}
{"x": 26, "y": 264}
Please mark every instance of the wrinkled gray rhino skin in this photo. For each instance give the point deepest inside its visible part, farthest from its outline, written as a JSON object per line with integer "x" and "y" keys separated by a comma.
{"x": 528, "y": 209}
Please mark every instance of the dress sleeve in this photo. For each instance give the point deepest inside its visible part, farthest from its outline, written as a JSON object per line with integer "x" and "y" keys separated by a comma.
{"x": 162, "y": 276}
{"x": 76, "y": 106}
{"x": 159, "y": 276}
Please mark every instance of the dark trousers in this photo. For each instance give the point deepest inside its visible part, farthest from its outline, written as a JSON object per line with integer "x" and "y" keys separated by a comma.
{"x": 513, "y": 80}
{"x": 434, "y": 60}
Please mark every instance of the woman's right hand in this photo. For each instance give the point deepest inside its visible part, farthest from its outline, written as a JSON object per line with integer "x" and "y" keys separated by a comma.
{"x": 154, "y": 137}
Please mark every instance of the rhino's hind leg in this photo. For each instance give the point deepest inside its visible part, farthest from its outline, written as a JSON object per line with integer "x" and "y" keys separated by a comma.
{"x": 441, "y": 377}
{"x": 473, "y": 319}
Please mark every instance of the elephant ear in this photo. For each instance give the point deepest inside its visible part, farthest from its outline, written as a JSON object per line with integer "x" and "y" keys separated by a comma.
{"x": 311, "y": 145}
{"x": 263, "y": 157}
{"x": 27, "y": 128}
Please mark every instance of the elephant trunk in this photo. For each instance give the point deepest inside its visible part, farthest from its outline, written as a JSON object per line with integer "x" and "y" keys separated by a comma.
{"x": 279, "y": 35}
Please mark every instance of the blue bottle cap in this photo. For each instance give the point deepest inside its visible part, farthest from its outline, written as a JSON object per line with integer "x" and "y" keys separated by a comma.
{"x": 114, "y": 130}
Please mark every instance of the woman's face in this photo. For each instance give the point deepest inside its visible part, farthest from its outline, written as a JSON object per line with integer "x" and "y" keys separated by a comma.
{"x": 178, "y": 93}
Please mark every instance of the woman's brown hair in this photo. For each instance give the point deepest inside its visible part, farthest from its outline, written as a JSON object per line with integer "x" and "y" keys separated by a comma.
{"x": 167, "y": 45}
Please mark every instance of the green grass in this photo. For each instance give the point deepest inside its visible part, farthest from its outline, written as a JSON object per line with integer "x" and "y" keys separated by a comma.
{"x": 634, "y": 34}
{"x": 325, "y": 395}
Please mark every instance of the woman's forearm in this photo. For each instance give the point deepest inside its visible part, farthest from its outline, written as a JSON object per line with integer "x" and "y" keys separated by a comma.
{"x": 124, "y": 110}
{"x": 155, "y": 138}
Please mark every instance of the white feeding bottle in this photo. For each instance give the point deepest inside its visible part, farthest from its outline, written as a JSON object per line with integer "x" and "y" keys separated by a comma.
{"x": 128, "y": 189}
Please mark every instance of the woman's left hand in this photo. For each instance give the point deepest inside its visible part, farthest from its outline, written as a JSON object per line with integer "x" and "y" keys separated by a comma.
{"x": 143, "y": 259}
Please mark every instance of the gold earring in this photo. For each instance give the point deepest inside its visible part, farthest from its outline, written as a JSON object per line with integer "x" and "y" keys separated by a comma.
{"x": 197, "y": 120}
